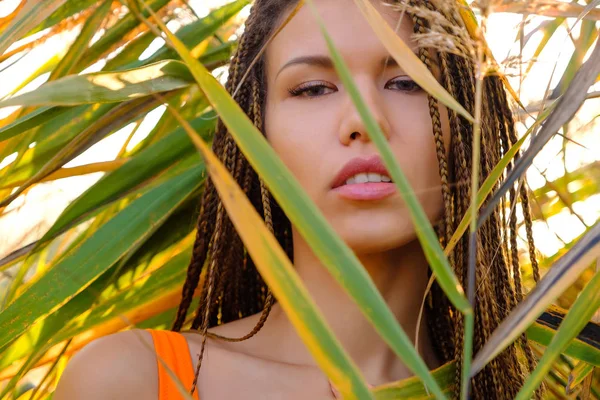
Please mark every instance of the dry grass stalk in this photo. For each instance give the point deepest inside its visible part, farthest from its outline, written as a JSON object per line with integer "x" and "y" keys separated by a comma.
{"x": 547, "y": 8}
{"x": 446, "y": 30}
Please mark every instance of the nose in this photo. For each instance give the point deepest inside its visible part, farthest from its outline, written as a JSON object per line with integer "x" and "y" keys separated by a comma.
{"x": 352, "y": 127}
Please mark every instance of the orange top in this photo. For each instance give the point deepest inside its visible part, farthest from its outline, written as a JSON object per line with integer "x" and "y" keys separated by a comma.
{"x": 172, "y": 349}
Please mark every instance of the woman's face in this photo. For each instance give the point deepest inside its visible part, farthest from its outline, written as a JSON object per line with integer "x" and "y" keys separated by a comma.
{"x": 314, "y": 127}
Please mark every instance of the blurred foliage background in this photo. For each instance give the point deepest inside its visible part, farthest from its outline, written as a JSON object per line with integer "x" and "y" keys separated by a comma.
{"x": 78, "y": 172}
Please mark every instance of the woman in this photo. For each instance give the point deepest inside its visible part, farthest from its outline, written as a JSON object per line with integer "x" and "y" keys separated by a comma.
{"x": 295, "y": 97}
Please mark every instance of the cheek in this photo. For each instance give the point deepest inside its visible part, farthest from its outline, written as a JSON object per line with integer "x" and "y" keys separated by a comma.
{"x": 412, "y": 139}
{"x": 414, "y": 145}
{"x": 300, "y": 139}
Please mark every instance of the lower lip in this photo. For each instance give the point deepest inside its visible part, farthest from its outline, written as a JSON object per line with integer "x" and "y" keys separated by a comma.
{"x": 366, "y": 191}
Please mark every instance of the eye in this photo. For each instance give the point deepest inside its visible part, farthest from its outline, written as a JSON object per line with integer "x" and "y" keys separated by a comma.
{"x": 312, "y": 89}
{"x": 403, "y": 84}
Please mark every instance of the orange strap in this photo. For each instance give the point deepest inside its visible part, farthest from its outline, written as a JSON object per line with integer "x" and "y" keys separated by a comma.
{"x": 172, "y": 348}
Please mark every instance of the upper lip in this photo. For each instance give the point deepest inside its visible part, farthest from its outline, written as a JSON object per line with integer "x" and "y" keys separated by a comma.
{"x": 359, "y": 165}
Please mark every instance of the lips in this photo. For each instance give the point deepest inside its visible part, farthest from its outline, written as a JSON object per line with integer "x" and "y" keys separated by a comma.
{"x": 364, "y": 190}
{"x": 359, "y": 165}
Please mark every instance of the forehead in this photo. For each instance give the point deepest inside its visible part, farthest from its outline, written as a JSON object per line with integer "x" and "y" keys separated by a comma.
{"x": 344, "y": 22}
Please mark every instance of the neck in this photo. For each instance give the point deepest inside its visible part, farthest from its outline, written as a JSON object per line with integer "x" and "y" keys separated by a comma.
{"x": 400, "y": 276}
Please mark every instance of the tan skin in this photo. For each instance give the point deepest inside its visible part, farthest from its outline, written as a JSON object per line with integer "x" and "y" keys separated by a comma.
{"x": 315, "y": 131}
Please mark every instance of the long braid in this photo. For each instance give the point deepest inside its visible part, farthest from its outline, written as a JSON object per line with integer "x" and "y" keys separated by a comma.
{"x": 209, "y": 283}
{"x": 461, "y": 133}
{"x": 524, "y": 197}
{"x": 437, "y": 323}
{"x": 265, "y": 198}
{"x": 205, "y": 228}
{"x": 461, "y": 165}
{"x": 222, "y": 232}
{"x": 234, "y": 257}
{"x": 434, "y": 112}
{"x": 266, "y": 204}
{"x": 229, "y": 157}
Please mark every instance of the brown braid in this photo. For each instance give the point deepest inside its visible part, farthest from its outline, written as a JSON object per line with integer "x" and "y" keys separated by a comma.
{"x": 232, "y": 288}
{"x": 434, "y": 112}
{"x": 445, "y": 232}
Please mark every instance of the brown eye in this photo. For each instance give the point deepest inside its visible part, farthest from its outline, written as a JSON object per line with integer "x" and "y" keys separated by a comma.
{"x": 403, "y": 84}
{"x": 311, "y": 89}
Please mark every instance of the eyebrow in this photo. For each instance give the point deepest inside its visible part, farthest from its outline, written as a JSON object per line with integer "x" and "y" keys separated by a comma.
{"x": 326, "y": 62}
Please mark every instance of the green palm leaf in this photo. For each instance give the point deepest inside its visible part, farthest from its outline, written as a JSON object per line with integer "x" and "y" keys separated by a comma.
{"x": 85, "y": 263}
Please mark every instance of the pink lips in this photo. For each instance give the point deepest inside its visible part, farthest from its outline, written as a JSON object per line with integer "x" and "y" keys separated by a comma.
{"x": 363, "y": 191}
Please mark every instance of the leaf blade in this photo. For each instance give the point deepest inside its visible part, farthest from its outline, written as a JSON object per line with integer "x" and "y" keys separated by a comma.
{"x": 106, "y": 87}
{"x": 581, "y": 311}
{"x": 141, "y": 167}
{"x": 77, "y": 270}
{"x": 561, "y": 275}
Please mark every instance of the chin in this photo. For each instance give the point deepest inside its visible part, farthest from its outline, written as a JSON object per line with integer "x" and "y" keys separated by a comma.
{"x": 378, "y": 235}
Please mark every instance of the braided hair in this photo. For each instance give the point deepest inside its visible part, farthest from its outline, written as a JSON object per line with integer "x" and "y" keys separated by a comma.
{"x": 231, "y": 286}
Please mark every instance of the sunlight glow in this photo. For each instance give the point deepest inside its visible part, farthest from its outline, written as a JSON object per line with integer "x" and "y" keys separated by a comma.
{"x": 24, "y": 69}
{"x": 105, "y": 150}
{"x": 8, "y": 6}
{"x": 108, "y": 82}
{"x": 156, "y": 44}
{"x": 8, "y": 160}
{"x": 146, "y": 126}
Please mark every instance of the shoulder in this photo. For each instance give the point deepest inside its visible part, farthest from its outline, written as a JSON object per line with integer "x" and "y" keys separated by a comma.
{"x": 118, "y": 366}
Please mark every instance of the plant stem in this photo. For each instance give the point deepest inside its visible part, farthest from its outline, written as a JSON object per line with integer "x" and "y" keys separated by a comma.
{"x": 469, "y": 318}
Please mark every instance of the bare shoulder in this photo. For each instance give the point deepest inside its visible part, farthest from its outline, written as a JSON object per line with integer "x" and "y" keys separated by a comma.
{"x": 117, "y": 366}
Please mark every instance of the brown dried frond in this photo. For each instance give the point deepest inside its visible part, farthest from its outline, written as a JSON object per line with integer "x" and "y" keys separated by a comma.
{"x": 442, "y": 42}
{"x": 513, "y": 66}
{"x": 445, "y": 30}
{"x": 546, "y": 8}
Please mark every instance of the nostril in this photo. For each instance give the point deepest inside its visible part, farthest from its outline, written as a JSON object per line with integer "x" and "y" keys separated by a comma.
{"x": 353, "y": 135}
